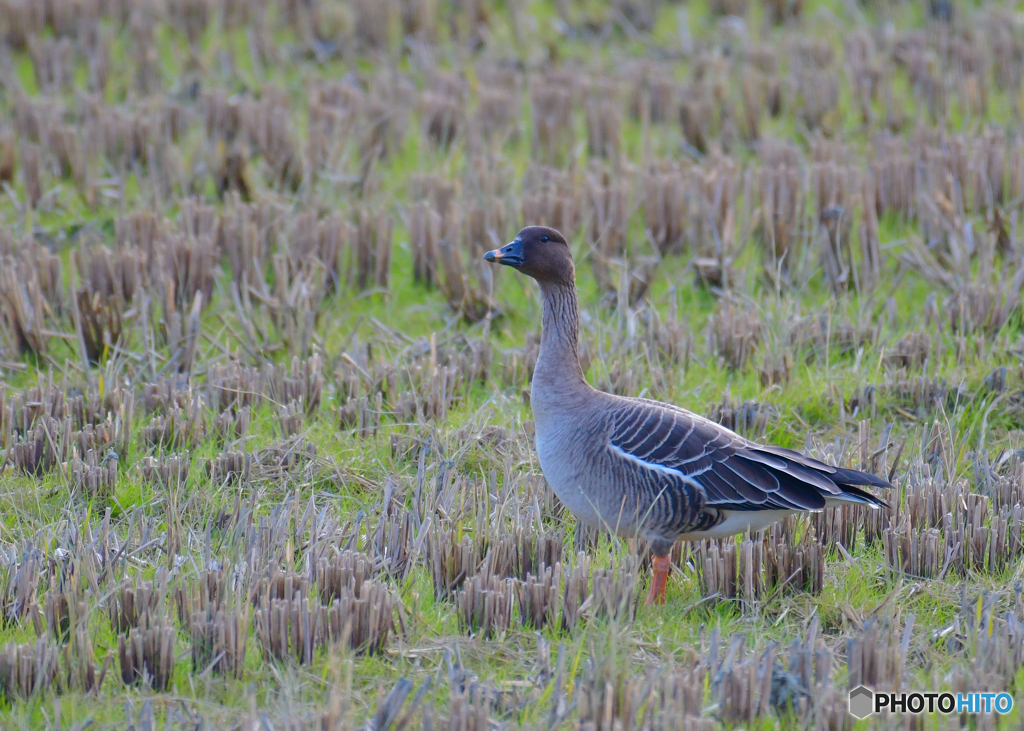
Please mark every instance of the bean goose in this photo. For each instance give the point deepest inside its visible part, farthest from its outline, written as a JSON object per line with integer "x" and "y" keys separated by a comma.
{"x": 638, "y": 467}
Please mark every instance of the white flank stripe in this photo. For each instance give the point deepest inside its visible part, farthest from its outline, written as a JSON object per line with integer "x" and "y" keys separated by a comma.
{"x": 654, "y": 467}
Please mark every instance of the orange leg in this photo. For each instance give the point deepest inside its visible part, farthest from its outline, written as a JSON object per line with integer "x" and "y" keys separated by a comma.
{"x": 660, "y": 566}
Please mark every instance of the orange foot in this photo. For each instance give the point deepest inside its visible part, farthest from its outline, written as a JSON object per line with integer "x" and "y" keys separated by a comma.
{"x": 660, "y": 566}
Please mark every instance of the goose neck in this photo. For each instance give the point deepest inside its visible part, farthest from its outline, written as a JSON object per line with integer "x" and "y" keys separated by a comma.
{"x": 558, "y": 363}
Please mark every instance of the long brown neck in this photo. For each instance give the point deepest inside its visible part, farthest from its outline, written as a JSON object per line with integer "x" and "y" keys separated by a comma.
{"x": 558, "y": 364}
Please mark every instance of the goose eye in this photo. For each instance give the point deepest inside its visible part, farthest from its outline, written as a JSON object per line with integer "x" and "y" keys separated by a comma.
{"x": 544, "y": 239}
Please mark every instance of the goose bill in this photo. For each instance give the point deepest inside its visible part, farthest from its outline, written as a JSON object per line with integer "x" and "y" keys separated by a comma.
{"x": 510, "y": 255}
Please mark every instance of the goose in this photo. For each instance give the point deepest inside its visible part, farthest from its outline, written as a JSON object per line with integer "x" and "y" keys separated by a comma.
{"x": 638, "y": 467}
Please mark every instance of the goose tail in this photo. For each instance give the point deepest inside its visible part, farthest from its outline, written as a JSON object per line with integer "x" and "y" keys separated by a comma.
{"x": 852, "y": 484}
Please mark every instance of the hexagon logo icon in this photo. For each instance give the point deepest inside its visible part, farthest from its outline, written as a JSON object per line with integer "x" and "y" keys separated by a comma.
{"x": 862, "y": 702}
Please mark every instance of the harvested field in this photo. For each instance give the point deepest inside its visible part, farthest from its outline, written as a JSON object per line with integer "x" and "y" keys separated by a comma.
{"x": 266, "y": 444}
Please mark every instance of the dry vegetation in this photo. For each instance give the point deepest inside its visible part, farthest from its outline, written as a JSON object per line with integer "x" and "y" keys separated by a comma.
{"x": 265, "y": 439}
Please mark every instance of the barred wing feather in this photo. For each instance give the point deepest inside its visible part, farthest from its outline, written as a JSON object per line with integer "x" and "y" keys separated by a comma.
{"x": 733, "y": 473}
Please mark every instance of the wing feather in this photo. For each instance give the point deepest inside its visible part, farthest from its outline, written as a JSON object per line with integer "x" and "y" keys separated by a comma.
{"x": 734, "y": 473}
{"x": 719, "y": 490}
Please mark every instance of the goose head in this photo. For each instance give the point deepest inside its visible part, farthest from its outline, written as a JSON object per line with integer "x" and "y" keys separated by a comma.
{"x": 539, "y": 252}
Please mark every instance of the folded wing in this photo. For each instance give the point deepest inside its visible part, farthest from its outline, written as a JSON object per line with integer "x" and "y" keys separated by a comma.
{"x": 734, "y": 473}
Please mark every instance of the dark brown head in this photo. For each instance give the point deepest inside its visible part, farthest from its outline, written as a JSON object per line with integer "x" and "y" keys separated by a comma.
{"x": 539, "y": 252}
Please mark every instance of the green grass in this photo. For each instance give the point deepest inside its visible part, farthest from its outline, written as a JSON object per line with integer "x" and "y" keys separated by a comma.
{"x": 809, "y": 408}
